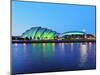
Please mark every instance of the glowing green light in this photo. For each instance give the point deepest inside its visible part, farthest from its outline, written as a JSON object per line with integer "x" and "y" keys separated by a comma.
{"x": 39, "y": 33}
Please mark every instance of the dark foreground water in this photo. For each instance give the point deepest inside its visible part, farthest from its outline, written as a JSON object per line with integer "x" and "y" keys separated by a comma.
{"x": 47, "y": 57}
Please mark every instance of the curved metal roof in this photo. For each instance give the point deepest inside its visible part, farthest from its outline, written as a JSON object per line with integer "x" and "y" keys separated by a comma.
{"x": 39, "y": 32}
{"x": 73, "y": 33}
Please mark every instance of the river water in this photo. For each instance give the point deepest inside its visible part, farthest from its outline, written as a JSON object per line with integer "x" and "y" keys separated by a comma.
{"x": 50, "y": 57}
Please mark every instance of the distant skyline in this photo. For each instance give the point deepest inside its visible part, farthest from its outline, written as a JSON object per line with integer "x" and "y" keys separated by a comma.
{"x": 58, "y": 17}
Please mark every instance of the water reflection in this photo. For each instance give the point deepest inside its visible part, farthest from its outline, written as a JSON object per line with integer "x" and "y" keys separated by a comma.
{"x": 53, "y": 47}
{"x": 62, "y": 48}
{"x": 39, "y": 57}
{"x": 44, "y": 45}
{"x": 34, "y": 44}
{"x": 16, "y": 44}
{"x": 72, "y": 47}
{"x": 24, "y": 44}
{"x": 25, "y": 55}
{"x": 48, "y": 49}
{"x": 15, "y": 49}
{"x": 90, "y": 44}
{"x": 44, "y": 49}
{"x": 83, "y": 53}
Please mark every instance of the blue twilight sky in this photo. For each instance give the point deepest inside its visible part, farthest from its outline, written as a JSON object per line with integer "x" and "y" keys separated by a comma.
{"x": 58, "y": 17}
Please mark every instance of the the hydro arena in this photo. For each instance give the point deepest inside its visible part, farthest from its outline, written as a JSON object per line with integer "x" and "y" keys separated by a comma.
{"x": 39, "y": 33}
{"x": 76, "y": 35}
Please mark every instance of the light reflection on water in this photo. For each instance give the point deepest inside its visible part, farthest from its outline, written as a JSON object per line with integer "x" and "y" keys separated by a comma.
{"x": 90, "y": 44}
{"x": 83, "y": 54}
{"x": 16, "y": 44}
{"x": 44, "y": 57}
{"x": 62, "y": 47}
{"x": 53, "y": 47}
{"x": 72, "y": 47}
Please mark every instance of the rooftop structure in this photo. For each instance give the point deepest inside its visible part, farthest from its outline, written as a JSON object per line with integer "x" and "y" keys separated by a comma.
{"x": 39, "y": 33}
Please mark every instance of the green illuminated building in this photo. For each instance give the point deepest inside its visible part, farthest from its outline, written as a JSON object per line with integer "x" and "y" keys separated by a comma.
{"x": 40, "y": 33}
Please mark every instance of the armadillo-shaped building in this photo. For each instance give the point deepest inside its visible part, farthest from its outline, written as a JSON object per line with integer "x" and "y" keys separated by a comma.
{"x": 40, "y": 33}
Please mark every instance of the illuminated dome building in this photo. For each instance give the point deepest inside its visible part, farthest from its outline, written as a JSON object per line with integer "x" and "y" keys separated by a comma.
{"x": 76, "y": 34}
{"x": 40, "y": 33}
